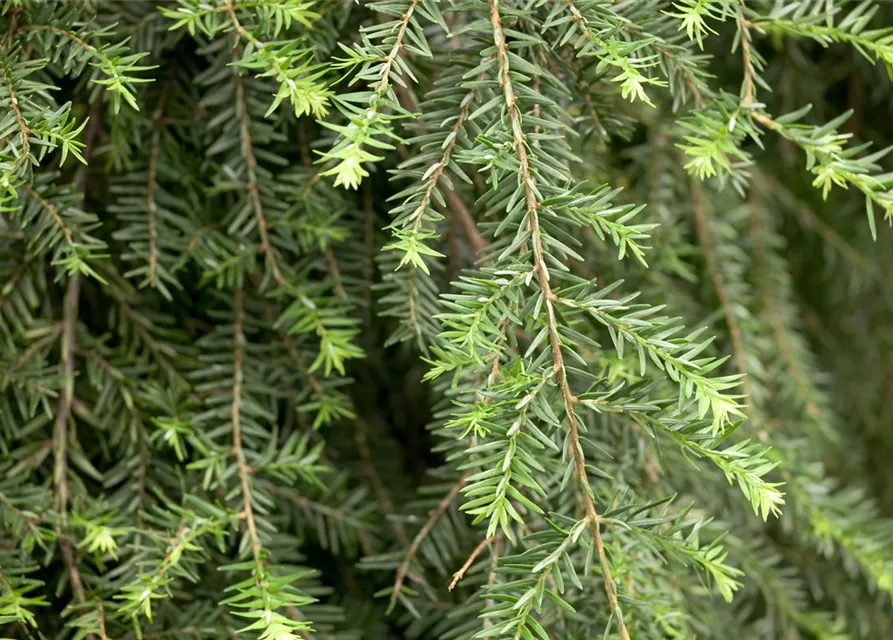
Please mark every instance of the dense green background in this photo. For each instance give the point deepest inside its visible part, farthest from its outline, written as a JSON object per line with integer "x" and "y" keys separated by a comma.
{"x": 240, "y": 241}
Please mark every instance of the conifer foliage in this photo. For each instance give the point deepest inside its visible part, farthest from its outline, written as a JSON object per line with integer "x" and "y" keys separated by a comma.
{"x": 530, "y": 319}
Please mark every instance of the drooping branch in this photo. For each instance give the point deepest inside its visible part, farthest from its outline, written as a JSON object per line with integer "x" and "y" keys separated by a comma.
{"x": 549, "y": 298}
{"x": 68, "y": 346}
{"x": 251, "y": 173}
{"x": 152, "y": 185}
{"x": 235, "y": 416}
{"x": 471, "y": 558}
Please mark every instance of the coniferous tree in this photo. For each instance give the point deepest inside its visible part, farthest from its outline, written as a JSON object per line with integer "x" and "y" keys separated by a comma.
{"x": 532, "y": 319}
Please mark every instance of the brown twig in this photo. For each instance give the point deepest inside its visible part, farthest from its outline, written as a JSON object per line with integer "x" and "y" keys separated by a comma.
{"x": 441, "y": 165}
{"x": 13, "y": 280}
{"x": 304, "y": 145}
{"x": 474, "y": 554}
{"x": 31, "y": 351}
{"x": 456, "y": 208}
{"x": 587, "y": 34}
{"x": 369, "y": 240}
{"x": 68, "y": 345}
{"x": 251, "y": 170}
{"x": 359, "y": 437}
{"x": 24, "y": 130}
{"x": 808, "y": 218}
{"x": 101, "y": 615}
{"x": 491, "y": 580}
{"x": 747, "y": 62}
{"x": 332, "y": 512}
{"x": 549, "y": 299}
{"x": 403, "y": 569}
{"x": 239, "y": 453}
{"x": 335, "y": 270}
{"x": 62, "y": 32}
{"x": 49, "y": 208}
{"x": 452, "y": 249}
{"x": 391, "y": 58}
{"x": 235, "y": 414}
{"x": 13, "y": 23}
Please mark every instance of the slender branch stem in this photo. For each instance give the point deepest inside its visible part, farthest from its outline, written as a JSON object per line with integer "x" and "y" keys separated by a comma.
{"x": 779, "y": 330}
{"x": 251, "y": 171}
{"x": 585, "y": 29}
{"x": 10, "y": 31}
{"x": 332, "y": 512}
{"x": 444, "y": 504}
{"x": 151, "y": 187}
{"x": 809, "y": 219}
{"x": 369, "y": 242}
{"x": 68, "y": 346}
{"x": 359, "y": 437}
{"x": 14, "y": 280}
{"x": 443, "y": 162}
{"x": 236, "y": 422}
{"x": 335, "y": 270}
{"x": 24, "y": 130}
{"x": 391, "y": 58}
{"x": 787, "y": 356}
{"x": 747, "y": 62}
{"x": 549, "y": 298}
{"x": 101, "y": 615}
{"x": 50, "y": 209}
{"x": 474, "y": 554}
{"x": 60, "y": 434}
{"x": 457, "y": 209}
{"x": 71, "y": 35}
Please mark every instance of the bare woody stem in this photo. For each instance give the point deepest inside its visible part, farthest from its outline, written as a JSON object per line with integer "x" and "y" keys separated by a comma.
{"x": 229, "y": 8}
{"x": 549, "y": 299}
{"x": 744, "y": 26}
{"x": 391, "y": 58}
{"x": 585, "y": 29}
{"x": 403, "y": 569}
{"x": 239, "y": 453}
{"x": 50, "y": 209}
{"x": 748, "y": 92}
{"x": 359, "y": 437}
{"x": 443, "y": 162}
{"x": 471, "y": 558}
{"x": 101, "y": 618}
{"x": 60, "y": 431}
{"x": 251, "y": 170}
{"x": 235, "y": 413}
{"x": 151, "y": 187}
{"x": 68, "y": 346}
{"x": 491, "y": 578}
{"x": 24, "y": 130}
{"x": 455, "y": 208}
